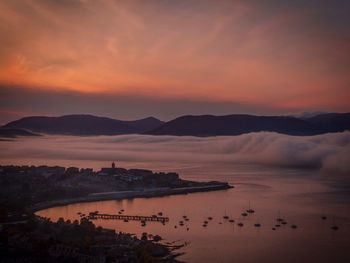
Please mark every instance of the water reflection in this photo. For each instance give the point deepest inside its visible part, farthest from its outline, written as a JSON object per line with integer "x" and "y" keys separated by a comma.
{"x": 297, "y": 196}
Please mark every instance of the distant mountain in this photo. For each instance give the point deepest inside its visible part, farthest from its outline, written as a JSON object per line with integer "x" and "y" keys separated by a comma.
{"x": 202, "y": 125}
{"x": 13, "y": 133}
{"x": 208, "y": 125}
{"x": 84, "y": 125}
{"x": 331, "y": 122}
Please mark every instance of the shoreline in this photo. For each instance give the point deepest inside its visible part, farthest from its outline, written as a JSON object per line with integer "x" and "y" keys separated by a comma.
{"x": 147, "y": 193}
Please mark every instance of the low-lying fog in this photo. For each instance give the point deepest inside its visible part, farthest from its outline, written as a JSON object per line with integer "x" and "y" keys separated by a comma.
{"x": 329, "y": 153}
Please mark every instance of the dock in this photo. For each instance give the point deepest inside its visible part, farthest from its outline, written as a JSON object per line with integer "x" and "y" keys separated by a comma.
{"x": 94, "y": 216}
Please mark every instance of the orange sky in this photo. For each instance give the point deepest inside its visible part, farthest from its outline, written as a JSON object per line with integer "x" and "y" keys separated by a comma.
{"x": 288, "y": 55}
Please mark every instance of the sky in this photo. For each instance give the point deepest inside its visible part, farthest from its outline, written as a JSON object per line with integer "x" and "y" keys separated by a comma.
{"x": 163, "y": 58}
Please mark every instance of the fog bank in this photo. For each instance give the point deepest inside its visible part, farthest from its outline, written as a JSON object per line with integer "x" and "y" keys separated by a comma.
{"x": 329, "y": 152}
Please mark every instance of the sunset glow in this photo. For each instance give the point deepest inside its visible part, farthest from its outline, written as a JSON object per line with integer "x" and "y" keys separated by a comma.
{"x": 287, "y": 57}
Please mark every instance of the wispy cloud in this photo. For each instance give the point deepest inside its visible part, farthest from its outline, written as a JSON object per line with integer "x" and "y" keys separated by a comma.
{"x": 270, "y": 52}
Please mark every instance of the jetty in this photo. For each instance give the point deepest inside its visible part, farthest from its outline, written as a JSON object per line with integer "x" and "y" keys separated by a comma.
{"x": 162, "y": 219}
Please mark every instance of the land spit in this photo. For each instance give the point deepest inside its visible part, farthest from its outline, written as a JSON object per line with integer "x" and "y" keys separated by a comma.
{"x": 119, "y": 195}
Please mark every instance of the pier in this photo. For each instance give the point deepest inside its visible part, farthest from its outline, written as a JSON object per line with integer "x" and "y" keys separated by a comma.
{"x": 161, "y": 219}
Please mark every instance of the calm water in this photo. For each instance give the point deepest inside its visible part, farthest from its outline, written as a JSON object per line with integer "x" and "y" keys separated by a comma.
{"x": 296, "y": 195}
{"x": 265, "y": 170}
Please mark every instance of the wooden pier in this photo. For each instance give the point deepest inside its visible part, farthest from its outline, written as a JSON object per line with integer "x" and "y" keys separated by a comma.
{"x": 161, "y": 219}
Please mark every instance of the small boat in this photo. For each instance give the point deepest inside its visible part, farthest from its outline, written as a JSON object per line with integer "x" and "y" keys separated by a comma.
{"x": 279, "y": 219}
{"x": 240, "y": 224}
{"x": 210, "y": 218}
{"x": 273, "y": 229}
{"x": 284, "y": 223}
{"x": 225, "y": 216}
{"x": 186, "y": 219}
{"x": 294, "y": 226}
{"x": 231, "y": 220}
{"x": 323, "y": 217}
{"x": 175, "y": 226}
{"x": 334, "y": 227}
{"x": 187, "y": 229}
{"x": 277, "y": 225}
{"x": 249, "y": 210}
{"x": 204, "y": 225}
{"x": 244, "y": 214}
{"x": 205, "y": 222}
{"x": 257, "y": 225}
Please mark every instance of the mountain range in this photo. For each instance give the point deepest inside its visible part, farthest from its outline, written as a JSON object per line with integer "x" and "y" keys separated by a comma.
{"x": 83, "y": 125}
{"x": 199, "y": 125}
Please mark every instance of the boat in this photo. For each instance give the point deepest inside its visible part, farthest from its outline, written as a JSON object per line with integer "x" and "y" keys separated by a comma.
{"x": 231, "y": 220}
{"x": 244, "y": 214}
{"x": 240, "y": 224}
{"x": 257, "y": 225}
{"x": 249, "y": 210}
{"x": 225, "y": 216}
{"x": 294, "y": 226}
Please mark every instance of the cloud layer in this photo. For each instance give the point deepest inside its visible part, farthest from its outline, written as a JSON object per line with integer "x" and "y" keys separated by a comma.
{"x": 329, "y": 152}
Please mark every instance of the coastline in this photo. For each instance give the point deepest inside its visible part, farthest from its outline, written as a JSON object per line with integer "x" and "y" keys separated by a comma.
{"x": 146, "y": 193}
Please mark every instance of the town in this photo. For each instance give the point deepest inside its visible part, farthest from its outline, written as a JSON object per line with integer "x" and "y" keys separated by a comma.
{"x": 26, "y": 237}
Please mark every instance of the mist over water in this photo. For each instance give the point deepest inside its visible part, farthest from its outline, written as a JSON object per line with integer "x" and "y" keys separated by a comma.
{"x": 329, "y": 153}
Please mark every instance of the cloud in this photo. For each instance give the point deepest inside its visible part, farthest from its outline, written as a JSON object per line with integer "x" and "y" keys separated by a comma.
{"x": 272, "y": 52}
{"x": 328, "y": 153}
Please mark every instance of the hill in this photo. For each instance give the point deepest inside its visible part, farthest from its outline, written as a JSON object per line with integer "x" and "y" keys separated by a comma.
{"x": 208, "y": 125}
{"x": 83, "y": 125}
{"x": 13, "y": 133}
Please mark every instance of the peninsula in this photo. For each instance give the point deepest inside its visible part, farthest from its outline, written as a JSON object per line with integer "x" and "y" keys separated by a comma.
{"x": 27, "y": 189}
